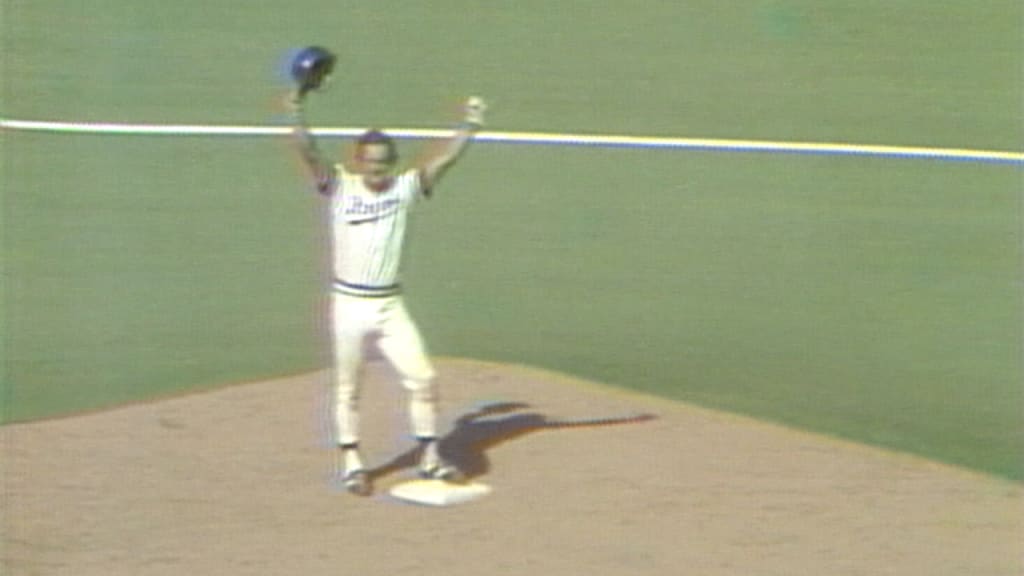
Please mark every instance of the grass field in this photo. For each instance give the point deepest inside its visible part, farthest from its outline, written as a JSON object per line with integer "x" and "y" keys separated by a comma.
{"x": 869, "y": 298}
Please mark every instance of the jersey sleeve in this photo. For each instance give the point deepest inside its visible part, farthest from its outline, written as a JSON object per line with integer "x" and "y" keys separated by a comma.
{"x": 336, "y": 185}
{"x": 416, "y": 189}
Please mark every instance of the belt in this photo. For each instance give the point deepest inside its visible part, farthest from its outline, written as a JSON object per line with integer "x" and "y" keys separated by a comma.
{"x": 364, "y": 291}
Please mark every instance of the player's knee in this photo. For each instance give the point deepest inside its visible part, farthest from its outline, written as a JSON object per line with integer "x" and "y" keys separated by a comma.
{"x": 421, "y": 374}
{"x": 346, "y": 391}
{"x": 421, "y": 390}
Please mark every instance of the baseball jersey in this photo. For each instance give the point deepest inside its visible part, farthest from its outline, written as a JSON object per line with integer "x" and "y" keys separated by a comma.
{"x": 368, "y": 232}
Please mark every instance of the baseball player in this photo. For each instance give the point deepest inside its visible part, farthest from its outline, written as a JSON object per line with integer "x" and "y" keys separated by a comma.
{"x": 369, "y": 205}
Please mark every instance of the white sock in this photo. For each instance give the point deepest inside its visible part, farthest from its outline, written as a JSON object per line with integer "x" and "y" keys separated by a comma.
{"x": 431, "y": 457}
{"x": 351, "y": 459}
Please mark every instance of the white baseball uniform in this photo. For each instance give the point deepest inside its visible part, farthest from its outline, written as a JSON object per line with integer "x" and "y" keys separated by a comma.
{"x": 368, "y": 232}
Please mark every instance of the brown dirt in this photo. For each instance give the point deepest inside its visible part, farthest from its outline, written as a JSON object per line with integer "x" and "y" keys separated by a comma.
{"x": 237, "y": 481}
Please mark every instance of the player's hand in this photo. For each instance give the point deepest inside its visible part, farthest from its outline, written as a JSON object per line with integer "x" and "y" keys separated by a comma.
{"x": 311, "y": 83}
{"x": 294, "y": 100}
{"x": 474, "y": 111}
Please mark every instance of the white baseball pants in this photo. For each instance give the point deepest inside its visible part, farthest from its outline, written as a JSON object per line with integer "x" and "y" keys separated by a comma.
{"x": 385, "y": 319}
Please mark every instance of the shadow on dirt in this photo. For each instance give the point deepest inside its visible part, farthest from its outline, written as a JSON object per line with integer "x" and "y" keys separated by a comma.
{"x": 476, "y": 432}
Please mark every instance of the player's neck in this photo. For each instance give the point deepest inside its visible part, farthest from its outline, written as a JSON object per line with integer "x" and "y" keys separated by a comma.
{"x": 378, "y": 182}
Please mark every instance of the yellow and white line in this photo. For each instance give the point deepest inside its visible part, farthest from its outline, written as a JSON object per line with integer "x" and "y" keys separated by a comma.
{"x": 542, "y": 138}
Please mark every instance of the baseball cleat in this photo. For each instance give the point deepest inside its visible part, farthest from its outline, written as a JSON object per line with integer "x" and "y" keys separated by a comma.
{"x": 358, "y": 482}
{"x": 443, "y": 472}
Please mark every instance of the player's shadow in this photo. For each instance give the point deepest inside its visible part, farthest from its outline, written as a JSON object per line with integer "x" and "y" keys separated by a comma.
{"x": 476, "y": 432}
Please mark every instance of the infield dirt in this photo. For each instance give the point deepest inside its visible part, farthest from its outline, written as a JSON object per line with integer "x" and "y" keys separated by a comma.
{"x": 587, "y": 480}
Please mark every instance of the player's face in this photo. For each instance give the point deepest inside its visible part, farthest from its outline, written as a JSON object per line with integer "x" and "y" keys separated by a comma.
{"x": 375, "y": 159}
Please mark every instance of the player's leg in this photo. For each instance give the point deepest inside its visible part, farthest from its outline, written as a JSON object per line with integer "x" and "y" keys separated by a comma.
{"x": 403, "y": 346}
{"x": 348, "y": 330}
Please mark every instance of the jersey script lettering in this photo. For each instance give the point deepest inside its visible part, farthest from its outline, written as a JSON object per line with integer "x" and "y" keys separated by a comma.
{"x": 358, "y": 209}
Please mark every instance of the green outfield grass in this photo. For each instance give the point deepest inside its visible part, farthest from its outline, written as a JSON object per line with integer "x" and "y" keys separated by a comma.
{"x": 167, "y": 273}
{"x": 865, "y": 298}
{"x": 874, "y": 299}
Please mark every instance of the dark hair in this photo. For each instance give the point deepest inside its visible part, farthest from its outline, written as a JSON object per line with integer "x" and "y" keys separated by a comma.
{"x": 375, "y": 136}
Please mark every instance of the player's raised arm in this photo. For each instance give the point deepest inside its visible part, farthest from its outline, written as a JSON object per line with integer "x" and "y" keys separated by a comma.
{"x": 320, "y": 169}
{"x": 311, "y": 67}
{"x": 435, "y": 166}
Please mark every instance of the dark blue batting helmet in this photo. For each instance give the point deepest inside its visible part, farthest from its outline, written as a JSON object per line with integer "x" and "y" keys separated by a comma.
{"x": 311, "y": 65}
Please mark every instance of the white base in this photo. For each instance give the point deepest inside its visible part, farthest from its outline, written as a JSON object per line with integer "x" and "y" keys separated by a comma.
{"x": 438, "y": 492}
